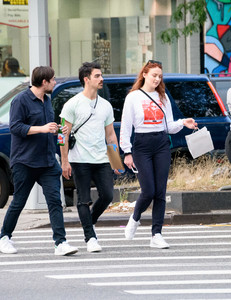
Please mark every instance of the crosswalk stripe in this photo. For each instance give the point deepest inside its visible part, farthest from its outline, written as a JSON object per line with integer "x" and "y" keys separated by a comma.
{"x": 161, "y": 282}
{"x": 130, "y": 266}
{"x": 122, "y": 233}
{"x": 193, "y": 246}
{"x": 107, "y": 259}
{"x": 166, "y": 229}
{"x": 142, "y": 248}
{"x": 50, "y": 252}
{"x": 177, "y": 291}
{"x": 140, "y": 274}
{"x": 136, "y": 239}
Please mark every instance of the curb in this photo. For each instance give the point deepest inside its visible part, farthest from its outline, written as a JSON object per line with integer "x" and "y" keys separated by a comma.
{"x": 146, "y": 220}
{"x": 197, "y": 219}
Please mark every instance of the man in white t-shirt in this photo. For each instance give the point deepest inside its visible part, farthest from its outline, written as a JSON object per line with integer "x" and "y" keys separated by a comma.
{"x": 88, "y": 159}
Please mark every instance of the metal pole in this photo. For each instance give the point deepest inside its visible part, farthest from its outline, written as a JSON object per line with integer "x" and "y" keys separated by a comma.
{"x": 38, "y": 34}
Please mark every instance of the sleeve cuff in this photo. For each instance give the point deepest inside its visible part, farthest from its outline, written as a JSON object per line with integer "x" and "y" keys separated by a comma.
{"x": 25, "y": 130}
{"x": 182, "y": 122}
{"x": 127, "y": 153}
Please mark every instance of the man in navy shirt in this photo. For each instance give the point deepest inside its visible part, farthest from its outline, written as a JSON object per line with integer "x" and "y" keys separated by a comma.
{"x": 33, "y": 159}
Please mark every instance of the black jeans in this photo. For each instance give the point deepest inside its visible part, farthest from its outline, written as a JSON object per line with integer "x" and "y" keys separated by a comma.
{"x": 24, "y": 178}
{"x": 152, "y": 157}
{"x": 102, "y": 175}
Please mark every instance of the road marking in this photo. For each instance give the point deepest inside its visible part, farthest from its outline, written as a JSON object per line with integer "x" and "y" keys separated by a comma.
{"x": 161, "y": 282}
{"x": 178, "y": 291}
{"x": 114, "y": 228}
{"x": 140, "y": 274}
{"x": 121, "y": 233}
{"x": 136, "y": 239}
{"x": 71, "y": 260}
{"x": 106, "y": 267}
{"x": 114, "y": 250}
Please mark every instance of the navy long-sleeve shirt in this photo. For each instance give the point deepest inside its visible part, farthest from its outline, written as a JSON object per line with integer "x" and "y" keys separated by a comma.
{"x": 36, "y": 150}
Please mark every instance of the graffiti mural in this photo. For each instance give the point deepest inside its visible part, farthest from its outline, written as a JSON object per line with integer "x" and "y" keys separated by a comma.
{"x": 218, "y": 38}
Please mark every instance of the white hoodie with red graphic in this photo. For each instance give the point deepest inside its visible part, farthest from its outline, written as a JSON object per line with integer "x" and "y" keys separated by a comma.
{"x": 145, "y": 116}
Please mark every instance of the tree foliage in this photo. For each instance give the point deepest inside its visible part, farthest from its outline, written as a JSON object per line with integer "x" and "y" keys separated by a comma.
{"x": 196, "y": 10}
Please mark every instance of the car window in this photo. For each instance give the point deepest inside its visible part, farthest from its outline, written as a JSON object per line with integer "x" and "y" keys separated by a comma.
{"x": 5, "y": 111}
{"x": 6, "y": 100}
{"x": 9, "y": 83}
{"x": 115, "y": 93}
{"x": 194, "y": 98}
{"x": 61, "y": 98}
{"x": 222, "y": 85}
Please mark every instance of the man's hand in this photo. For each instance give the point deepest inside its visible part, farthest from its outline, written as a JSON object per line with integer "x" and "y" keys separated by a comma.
{"x": 49, "y": 127}
{"x": 64, "y": 129}
{"x": 66, "y": 168}
{"x": 117, "y": 172}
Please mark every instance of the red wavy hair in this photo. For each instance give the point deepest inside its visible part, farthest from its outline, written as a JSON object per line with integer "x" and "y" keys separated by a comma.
{"x": 140, "y": 80}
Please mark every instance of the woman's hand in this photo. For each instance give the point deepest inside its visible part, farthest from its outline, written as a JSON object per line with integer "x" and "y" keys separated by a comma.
{"x": 190, "y": 123}
{"x": 128, "y": 160}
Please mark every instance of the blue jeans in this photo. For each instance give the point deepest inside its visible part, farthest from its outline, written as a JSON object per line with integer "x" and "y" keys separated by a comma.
{"x": 152, "y": 157}
{"x": 24, "y": 178}
{"x": 102, "y": 175}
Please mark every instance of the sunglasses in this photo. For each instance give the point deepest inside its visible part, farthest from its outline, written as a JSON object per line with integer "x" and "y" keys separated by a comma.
{"x": 154, "y": 62}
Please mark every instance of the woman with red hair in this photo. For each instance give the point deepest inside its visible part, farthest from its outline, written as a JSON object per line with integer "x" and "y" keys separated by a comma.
{"x": 147, "y": 108}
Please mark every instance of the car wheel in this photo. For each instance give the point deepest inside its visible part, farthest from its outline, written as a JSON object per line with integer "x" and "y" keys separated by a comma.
{"x": 4, "y": 188}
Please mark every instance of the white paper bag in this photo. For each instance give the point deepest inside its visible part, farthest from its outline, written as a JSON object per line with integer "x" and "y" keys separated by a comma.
{"x": 199, "y": 142}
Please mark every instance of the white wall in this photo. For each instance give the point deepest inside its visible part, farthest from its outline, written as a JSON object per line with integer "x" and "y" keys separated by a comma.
{"x": 126, "y": 8}
{"x": 110, "y": 8}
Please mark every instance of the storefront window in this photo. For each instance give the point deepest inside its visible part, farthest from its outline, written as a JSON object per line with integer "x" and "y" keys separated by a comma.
{"x": 120, "y": 34}
{"x": 14, "y": 37}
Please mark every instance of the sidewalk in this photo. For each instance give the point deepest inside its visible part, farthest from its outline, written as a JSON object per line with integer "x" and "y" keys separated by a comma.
{"x": 31, "y": 219}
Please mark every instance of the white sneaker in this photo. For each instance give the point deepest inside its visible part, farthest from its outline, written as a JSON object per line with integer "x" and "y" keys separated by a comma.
{"x": 157, "y": 241}
{"x": 131, "y": 227}
{"x": 65, "y": 249}
{"x": 6, "y": 245}
{"x": 93, "y": 245}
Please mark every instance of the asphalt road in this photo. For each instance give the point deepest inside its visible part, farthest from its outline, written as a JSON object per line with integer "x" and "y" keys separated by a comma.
{"x": 197, "y": 266}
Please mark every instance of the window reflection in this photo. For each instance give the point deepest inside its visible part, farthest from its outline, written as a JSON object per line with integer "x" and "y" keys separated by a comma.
{"x": 194, "y": 99}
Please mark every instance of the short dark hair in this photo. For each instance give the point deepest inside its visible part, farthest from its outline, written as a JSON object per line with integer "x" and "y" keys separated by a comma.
{"x": 41, "y": 73}
{"x": 86, "y": 70}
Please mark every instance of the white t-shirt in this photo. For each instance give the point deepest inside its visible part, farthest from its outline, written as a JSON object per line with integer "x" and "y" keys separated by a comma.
{"x": 90, "y": 146}
{"x": 140, "y": 112}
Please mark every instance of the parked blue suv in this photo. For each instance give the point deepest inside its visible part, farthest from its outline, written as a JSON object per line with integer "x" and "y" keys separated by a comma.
{"x": 190, "y": 96}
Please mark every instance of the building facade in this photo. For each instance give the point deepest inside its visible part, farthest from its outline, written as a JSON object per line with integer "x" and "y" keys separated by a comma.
{"x": 121, "y": 34}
